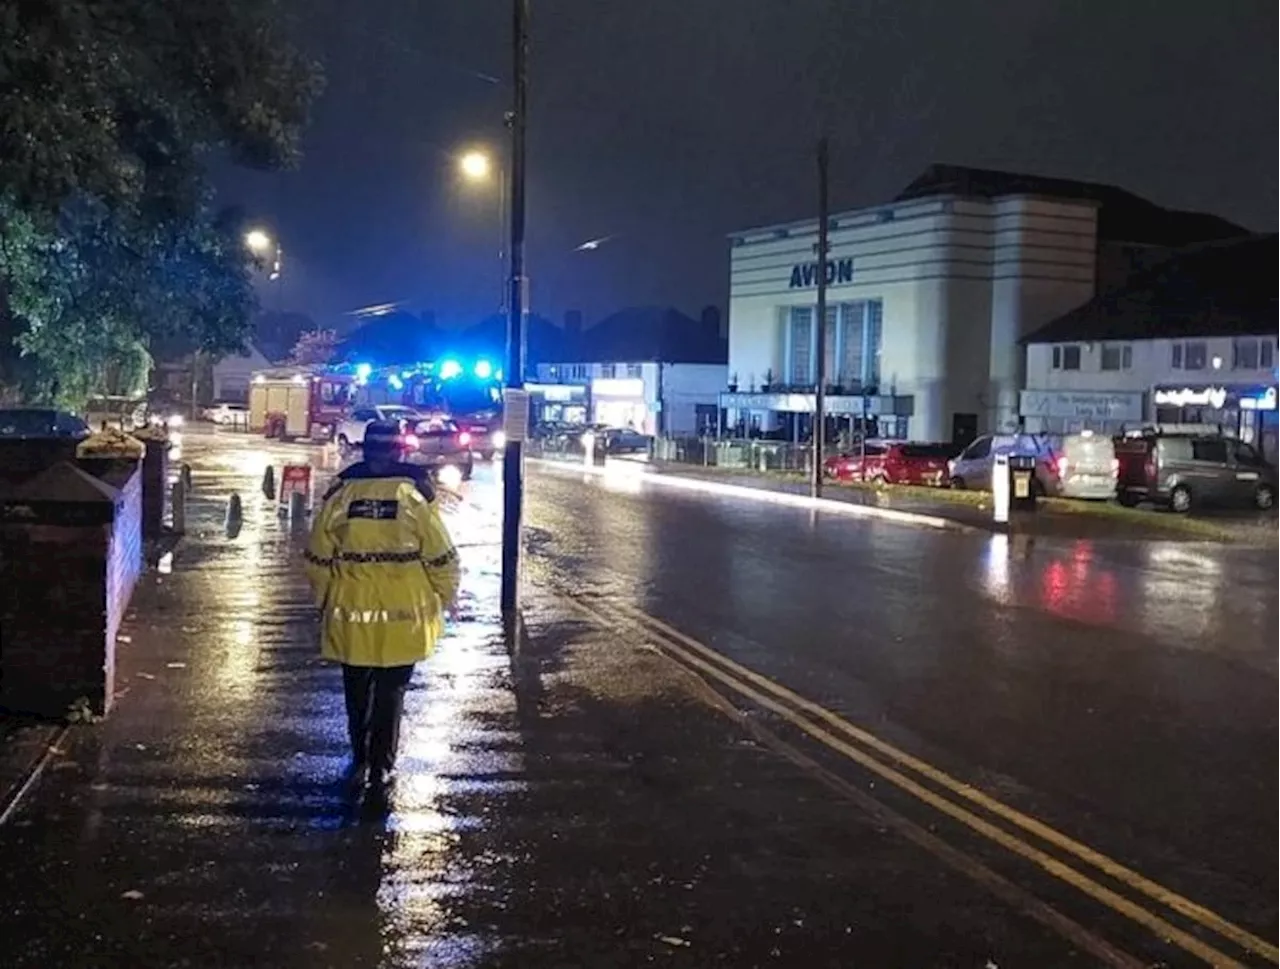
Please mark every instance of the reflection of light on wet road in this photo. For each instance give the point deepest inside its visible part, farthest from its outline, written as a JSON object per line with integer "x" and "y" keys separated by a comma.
{"x": 996, "y": 574}
{"x": 1181, "y": 591}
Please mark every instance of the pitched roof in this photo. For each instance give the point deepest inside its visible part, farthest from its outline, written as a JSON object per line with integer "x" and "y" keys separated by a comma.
{"x": 1215, "y": 289}
{"x": 642, "y": 333}
{"x": 1122, "y": 216}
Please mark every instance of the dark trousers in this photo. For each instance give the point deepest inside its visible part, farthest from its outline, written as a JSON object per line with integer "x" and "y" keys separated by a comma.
{"x": 375, "y": 703}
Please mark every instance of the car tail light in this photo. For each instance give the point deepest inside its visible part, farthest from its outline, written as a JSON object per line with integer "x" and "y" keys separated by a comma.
{"x": 1115, "y": 467}
{"x": 1063, "y": 464}
{"x": 464, "y": 438}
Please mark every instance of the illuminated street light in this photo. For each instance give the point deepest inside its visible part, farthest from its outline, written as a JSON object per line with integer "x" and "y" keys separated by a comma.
{"x": 475, "y": 165}
{"x": 258, "y": 241}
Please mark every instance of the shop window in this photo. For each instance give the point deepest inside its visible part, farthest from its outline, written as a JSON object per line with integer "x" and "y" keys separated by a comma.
{"x": 1117, "y": 356}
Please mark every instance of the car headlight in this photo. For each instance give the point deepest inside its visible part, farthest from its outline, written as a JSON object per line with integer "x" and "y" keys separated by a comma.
{"x": 175, "y": 420}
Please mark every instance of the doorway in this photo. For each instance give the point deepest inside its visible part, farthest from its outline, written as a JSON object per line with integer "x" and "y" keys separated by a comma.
{"x": 964, "y": 428}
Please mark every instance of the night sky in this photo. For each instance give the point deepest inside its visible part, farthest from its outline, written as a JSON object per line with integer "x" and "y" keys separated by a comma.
{"x": 668, "y": 124}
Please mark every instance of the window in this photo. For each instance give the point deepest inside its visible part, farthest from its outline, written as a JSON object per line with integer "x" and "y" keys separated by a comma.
{"x": 800, "y": 340}
{"x": 577, "y": 371}
{"x": 635, "y": 370}
{"x": 1266, "y": 355}
{"x": 1212, "y": 449}
{"x": 1117, "y": 356}
{"x": 852, "y": 326}
{"x": 1175, "y": 356}
{"x": 829, "y": 345}
{"x": 1246, "y": 455}
{"x": 608, "y": 370}
{"x": 1195, "y": 355}
{"x": 871, "y": 344}
{"x": 1071, "y": 357}
{"x": 1244, "y": 354}
{"x": 978, "y": 449}
{"x": 1057, "y": 358}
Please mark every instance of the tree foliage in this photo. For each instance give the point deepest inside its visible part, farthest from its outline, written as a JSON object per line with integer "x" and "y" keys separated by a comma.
{"x": 108, "y": 237}
{"x": 314, "y": 348}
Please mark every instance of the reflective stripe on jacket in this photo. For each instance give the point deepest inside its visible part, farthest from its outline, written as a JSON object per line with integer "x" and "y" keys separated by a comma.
{"x": 383, "y": 569}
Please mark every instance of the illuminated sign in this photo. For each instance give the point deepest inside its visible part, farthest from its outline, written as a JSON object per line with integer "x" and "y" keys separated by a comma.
{"x": 618, "y": 387}
{"x": 805, "y": 274}
{"x": 1215, "y": 397}
{"x": 1264, "y": 401}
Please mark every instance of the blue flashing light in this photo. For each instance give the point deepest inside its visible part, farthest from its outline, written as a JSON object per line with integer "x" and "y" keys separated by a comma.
{"x": 363, "y": 370}
{"x": 484, "y": 369}
{"x": 395, "y": 383}
{"x": 450, "y": 369}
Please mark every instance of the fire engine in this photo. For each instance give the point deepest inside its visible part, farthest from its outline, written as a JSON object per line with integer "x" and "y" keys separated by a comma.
{"x": 299, "y": 403}
{"x": 471, "y": 397}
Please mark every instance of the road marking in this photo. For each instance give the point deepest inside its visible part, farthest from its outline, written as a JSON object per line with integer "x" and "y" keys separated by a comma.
{"x": 733, "y": 674}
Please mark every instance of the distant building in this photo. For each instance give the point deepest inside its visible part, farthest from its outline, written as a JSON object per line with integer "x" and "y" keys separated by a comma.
{"x": 1190, "y": 340}
{"x": 230, "y": 377}
{"x": 929, "y": 296}
{"x": 650, "y": 368}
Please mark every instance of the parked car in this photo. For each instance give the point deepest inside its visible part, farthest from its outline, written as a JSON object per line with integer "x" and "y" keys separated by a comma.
{"x": 972, "y": 467}
{"x": 893, "y": 462}
{"x": 1183, "y": 471}
{"x": 437, "y": 444}
{"x": 351, "y": 430}
{"x": 41, "y": 423}
{"x": 622, "y": 440}
{"x": 227, "y": 412}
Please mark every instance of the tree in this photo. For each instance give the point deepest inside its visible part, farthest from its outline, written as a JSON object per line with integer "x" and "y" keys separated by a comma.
{"x": 108, "y": 236}
{"x": 314, "y": 348}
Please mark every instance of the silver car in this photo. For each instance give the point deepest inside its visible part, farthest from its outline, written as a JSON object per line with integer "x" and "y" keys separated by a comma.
{"x": 1184, "y": 471}
{"x": 972, "y": 468}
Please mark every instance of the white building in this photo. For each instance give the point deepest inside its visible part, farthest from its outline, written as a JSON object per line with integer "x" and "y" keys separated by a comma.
{"x": 1192, "y": 340}
{"x": 232, "y": 374}
{"x": 671, "y": 399}
{"x": 928, "y": 298}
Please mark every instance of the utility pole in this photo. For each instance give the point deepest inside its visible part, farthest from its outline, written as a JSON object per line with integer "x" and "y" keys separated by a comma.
{"x": 515, "y": 403}
{"x": 820, "y": 388}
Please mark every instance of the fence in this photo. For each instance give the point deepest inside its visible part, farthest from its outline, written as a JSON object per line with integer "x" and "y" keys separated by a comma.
{"x": 752, "y": 455}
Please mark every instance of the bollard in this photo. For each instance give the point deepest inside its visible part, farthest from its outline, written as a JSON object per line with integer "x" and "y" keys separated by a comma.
{"x": 269, "y": 483}
{"x": 179, "y": 503}
{"x": 235, "y": 516}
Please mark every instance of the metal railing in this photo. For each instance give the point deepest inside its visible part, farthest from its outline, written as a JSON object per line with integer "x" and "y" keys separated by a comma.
{"x": 743, "y": 454}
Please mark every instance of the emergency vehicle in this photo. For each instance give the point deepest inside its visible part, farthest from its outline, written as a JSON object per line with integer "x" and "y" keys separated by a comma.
{"x": 469, "y": 396}
{"x": 299, "y": 403}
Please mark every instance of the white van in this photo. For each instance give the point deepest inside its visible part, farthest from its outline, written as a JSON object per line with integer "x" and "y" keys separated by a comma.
{"x": 1085, "y": 466}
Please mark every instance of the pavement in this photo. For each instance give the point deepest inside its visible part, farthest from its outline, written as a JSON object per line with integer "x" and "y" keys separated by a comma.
{"x": 732, "y": 734}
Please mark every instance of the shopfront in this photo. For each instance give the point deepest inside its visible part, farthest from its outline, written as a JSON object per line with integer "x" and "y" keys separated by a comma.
{"x": 557, "y": 403}
{"x": 622, "y": 402}
{"x": 1248, "y": 411}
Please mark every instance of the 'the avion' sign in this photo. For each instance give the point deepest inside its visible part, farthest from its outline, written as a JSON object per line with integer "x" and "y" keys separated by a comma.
{"x": 805, "y": 274}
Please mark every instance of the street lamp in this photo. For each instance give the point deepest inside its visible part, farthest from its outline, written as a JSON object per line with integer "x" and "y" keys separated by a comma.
{"x": 475, "y": 166}
{"x": 481, "y": 166}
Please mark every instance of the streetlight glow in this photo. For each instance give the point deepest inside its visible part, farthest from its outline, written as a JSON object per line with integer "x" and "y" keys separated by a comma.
{"x": 475, "y": 165}
{"x": 258, "y": 241}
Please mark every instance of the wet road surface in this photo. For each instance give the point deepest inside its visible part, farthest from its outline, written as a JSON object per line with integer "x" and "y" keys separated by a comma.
{"x": 1122, "y": 691}
{"x": 588, "y": 803}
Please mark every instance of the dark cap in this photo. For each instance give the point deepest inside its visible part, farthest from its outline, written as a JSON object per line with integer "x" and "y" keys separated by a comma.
{"x": 381, "y": 435}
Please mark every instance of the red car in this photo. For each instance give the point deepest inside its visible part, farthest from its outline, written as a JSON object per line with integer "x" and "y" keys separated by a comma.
{"x": 893, "y": 462}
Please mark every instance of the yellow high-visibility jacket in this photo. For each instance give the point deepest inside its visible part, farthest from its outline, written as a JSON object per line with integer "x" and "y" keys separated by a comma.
{"x": 382, "y": 567}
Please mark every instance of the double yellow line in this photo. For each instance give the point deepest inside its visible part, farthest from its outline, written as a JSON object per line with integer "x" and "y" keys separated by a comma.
{"x": 952, "y": 797}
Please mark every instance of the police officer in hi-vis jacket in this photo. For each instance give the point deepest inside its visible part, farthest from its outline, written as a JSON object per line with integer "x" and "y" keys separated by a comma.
{"x": 385, "y": 573}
